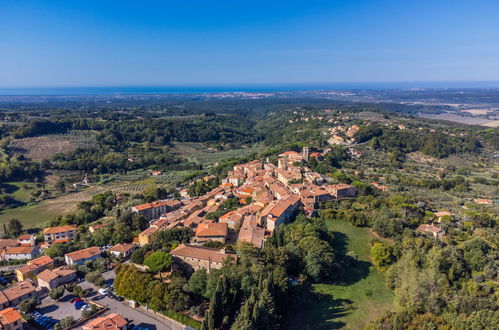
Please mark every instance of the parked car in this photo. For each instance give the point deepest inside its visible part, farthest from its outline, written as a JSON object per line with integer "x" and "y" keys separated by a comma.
{"x": 103, "y": 291}
{"x": 118, "y": 298}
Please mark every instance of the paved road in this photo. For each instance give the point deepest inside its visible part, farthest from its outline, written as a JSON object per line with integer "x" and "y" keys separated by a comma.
{"x": 137, "y": 316}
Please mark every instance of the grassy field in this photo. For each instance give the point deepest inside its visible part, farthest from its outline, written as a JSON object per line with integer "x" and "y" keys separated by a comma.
{"x": 198, "y": 153}
{"x": 36, "y": 214}
{"x": 350, "y": 304}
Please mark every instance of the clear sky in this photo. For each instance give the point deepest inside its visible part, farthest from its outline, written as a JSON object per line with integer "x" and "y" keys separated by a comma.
{"x": 104, "y": 42}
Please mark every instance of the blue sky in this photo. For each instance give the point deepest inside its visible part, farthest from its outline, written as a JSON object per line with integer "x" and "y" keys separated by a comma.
{"x": 131, "y": 43}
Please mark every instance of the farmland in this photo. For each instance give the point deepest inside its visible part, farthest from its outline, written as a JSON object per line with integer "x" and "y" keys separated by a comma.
{"x": 43, "y": 147}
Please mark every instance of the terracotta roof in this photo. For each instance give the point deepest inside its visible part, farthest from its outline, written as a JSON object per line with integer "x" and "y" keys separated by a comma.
{"x": 58, "y": 229}
{"x": 149, "y": 231}
{"x": 201, "y": 253}
{"x": 146, "y": 206}
{"x": 250, "y": 232}
{"x": 108, "y": 322}
{"x": 47, "y": 275}
{"x": 207, "y": 229}
{"x": 60, "y": 241}
{"x": 19, "y": 250}
{"x": 4, "y": 243}
{"x": 27, "y": 236}
{"x": 84, "y": 254}
{"x": 122, "y": 247}
{"x": 9, "y": 316}
{"x": 17, "y": 290}
{"x": 426, "y": 228}
{"x": 99, "y": 226}
{"x": 45, "y": 260}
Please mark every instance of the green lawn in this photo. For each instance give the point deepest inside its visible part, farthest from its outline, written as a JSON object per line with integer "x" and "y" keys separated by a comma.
{"x": 358, "y": 298}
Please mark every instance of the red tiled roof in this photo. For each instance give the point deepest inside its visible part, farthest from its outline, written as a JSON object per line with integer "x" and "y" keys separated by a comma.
{"x": 108, "y": 322}
{"x": 207, "y": 229}
{"x": 9, "y": 316}
{"x": 84, "y": 254}
{"x": 201, "y": 253}
{"x": 58, "y": 229}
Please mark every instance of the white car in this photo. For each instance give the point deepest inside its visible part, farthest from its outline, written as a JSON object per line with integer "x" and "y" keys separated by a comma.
{"x": 103, "y": 291}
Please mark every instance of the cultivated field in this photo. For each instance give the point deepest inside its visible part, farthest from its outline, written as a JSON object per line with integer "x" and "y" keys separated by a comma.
{"x": 43, "y": 147}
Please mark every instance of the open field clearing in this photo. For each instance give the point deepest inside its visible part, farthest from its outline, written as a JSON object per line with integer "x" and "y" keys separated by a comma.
{"x": 43, "y": 147}
{"x": 35, "y": 215}
{"x": 350, "y": 305}
{"x": 478, "y": 111}
{"x": 464, "y": 120}
{"x": 198, "y": 153}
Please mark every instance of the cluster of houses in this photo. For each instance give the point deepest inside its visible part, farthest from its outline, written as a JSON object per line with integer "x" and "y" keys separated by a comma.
{"x": 39, "y": 275}
{"x": 269, "y": 195}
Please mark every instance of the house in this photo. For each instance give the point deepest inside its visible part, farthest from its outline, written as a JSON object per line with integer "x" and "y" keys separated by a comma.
{"x": 211, "y": 231}
{"x": 27, "y": 240}
{"x": 123, "y": 250}
{"x": 15, "y": 294}
{"x": 155, "y": 209}
{"x": 147, "y": 235}
{"x": 200, "y": 257}
{"x": 441, "y": 214}
{"x": 21, "y": 252}
{"x": 342, "y": 190}
{"x": 79, "y": 257}
{"x": 10, "y": 319}
{"x": 96, "y": 227}
{"x": 279, "y": 211}
{"x": 431, "y": 229}
{"x": 250, "y": 232}
{"x": 33, "y": 267}
{"x": 5, "y": 244}
{"x": 59, "y": 234}
{"x": 109, "y": 322}
{"x": 379, "y": 186}
{"x": 484, "y": 201}
{"x": 51, "y": 279}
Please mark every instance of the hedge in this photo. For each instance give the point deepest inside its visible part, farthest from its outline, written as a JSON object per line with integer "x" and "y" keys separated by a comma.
{"x": 182, "y": 319}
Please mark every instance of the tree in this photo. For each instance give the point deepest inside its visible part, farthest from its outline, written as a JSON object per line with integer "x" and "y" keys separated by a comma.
{"x": 28, "y": 305}
{"x": 56, "y": 293}
{"x": 67, "y": 322}
{"x": 382, "y": 255}
{"x": 158, "y": 261}
{"x": 60, "y": 185}
{"x": 197, "y": 282}
{"x": 15, "y": 227}
{"x": 95, "y": 278}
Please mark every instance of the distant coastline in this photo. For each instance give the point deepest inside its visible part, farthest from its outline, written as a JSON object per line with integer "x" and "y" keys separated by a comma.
{"x": 221, "y": 88}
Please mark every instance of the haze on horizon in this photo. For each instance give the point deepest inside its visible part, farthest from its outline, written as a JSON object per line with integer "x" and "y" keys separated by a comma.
{"x": 119, "y": 43}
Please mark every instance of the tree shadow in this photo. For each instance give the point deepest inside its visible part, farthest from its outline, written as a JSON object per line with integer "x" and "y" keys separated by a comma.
{"x": 318, "y": 311}
{"x": 47, "y": 309}
{"x": 349, "y": 269}
{"x": 9, "y": 188}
